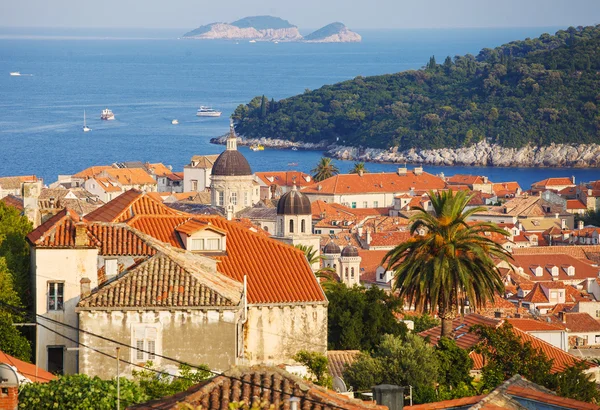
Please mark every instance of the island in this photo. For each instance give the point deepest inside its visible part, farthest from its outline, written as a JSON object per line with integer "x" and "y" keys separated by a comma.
{"x": 533, "y": 102}
{"x": 333, "y": 33}
{"x": 269, "y": 28}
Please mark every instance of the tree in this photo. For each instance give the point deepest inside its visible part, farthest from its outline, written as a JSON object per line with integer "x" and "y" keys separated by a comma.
{"x": 14, "y": 249}
{"x": 398, "y": 360}
{"x": 326, "y": 275}
{"x": 424, "y": 322}
{"x": 324, "y": 169}
{"x": 263, "y": 107}
{"x": 359, "y": 167}
{"x": 12, "y": 342}
{"x": 317, "y": 364}
{"x": 454, "y": 364}
{"x": 575, "y": 384}
{"x": 77, "y": 392}
{"x": 155, "y": 385}
{"x": 357, "y": 317}
{"x": 449, "y": 261}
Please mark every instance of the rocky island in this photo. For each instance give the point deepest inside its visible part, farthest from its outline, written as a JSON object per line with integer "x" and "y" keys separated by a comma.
{"x": 333, "y": 33}
{"x": 269, "y": 28}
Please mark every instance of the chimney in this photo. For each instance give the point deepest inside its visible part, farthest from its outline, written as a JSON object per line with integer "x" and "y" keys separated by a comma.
{"x": 229, "y": 213}
{"x": 580, "y": 224}
{"x": 402, "y": 171}
{"x": 360, "y": 172}
{"x": 360, "y": 231}
{"x": 319, "y": 187}
{"x": 563, "y": 317}
{"x": 563, "y": 224}
{"x": 573, "y": 179}
{"x": 81, "y": 238}
{"x": 368, "y": 236}
{"x": 485, "y": 180}
{"x": 389, "y": 395}
{"x": 418, "y": 170}
{"x": 85, "y": 287}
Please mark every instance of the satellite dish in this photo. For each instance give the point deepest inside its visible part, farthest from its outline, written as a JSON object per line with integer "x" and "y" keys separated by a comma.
{"x": 8, "y": 376}
{"x": 339, "y": 385}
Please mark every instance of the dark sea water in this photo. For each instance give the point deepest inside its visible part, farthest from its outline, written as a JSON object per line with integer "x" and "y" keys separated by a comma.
{"x": 149, "y": 77}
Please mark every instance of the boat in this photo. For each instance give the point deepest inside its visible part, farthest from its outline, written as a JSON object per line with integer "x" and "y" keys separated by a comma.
{"x": 252, "y": 41}
{"x": 15, "y": 74}
{"x": 261, "y": 148}
{"x": 107, "y": 115}
{"x": 294, "y": 149}
{"x": 254, "y": 147}
{"x": 276, "y": 42}
{"x": 207, "y": 112}
{"x": 292, "y": 164}
{"x": 85, "y": 127}
{"x": 174, "y": 122}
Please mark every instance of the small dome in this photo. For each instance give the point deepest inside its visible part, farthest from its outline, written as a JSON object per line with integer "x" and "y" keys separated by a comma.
{"x": 294, "y": 203}
{"x": 350, "y": 251}
{"x": 231, "y": 163}
{"x": 331, "y": 248}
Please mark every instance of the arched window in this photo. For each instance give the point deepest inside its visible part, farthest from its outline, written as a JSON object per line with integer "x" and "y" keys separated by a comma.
{"x": 352, "y": 273}
{"x": 281, "y": 227}
{"x": 266, "y": 228}
{"x": 291, "y": 226}
{"x": 335, "y": 267}
{"x": 303, "y": 226}
{"x": 346, "y": 273}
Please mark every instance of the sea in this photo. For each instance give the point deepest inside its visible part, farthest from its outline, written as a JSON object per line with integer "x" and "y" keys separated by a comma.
{"x": 150, "y": 77}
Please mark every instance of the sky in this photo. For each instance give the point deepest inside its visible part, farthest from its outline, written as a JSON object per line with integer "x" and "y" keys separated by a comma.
{"x": 356, "y": 14}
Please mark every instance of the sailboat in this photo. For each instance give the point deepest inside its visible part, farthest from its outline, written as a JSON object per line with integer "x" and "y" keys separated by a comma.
{"x": 85, "y": 127}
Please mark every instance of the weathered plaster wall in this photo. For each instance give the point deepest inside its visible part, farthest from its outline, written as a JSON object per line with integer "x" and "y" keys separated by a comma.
{"x": 274, "y": 334}
{"x": 192, "y": 336}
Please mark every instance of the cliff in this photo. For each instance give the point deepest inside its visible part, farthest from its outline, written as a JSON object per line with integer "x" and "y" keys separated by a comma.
{"x": 333, "y": 33}
{"x": 265, "y": 28}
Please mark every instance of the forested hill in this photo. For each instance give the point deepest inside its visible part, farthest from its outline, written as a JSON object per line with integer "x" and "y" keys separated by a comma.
{"x": 539, "y": 91}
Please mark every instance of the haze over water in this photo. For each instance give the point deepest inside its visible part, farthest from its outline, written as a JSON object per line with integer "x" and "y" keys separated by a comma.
{"x": 148, "y": 78}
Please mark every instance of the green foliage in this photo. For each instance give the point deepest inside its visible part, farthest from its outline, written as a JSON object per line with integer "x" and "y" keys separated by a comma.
{"x": 15, "y": 250}
{"x": 357, "y": 317}
{"x": 575, "y": 384}
{"x": 398, "y": 360}
{"x": 324, "y": 169}
{"x": 423, "y": 322}
{"x": 80, "y": 392}
{"x": 317, "y": 364}
{"x": 449, "y": 263}
{"x": 12, "y": 342}
{"x": 156, "y": 385}
{"x": 358, "y": 167}
{"x": 454, "y": 365}
{"x": 591, "y": 217}
{"x": 537, "y": 91}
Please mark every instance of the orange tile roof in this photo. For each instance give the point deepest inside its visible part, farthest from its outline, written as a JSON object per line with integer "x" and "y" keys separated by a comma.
{"x": 575, "y": 204}
{"x": 375, "y": 183}
{"x": 549, "y": 182}
{"x": 91, "y": 171}
{"x": 389, "y": 238}
{"x": 531, "y": 325}
{"x": 15, "y": 202}
{"x": 543, "y": 397}
{"x": 448, "y": 404}
{"x": 159, "y": 169}
{"x": 130, "y": 176}
{"x": 27, "y": 369}
{"x": 339, "y": 359}
{"x": 266, "y": 262}
{"x": 583, "y": 270}
{"x": 16, "y": 181}
{"x": 128, "y": 205}
{"x": 506, "y": 187}
{"x": 370, "y": 261}
{"x": 192, "y": 226}
{"x": 464, "y": 339}
{"x": 107, "y": 185}
{"x": 285, "y": 178}
{"x": 460, "y": 179}
{"x": 581, "y": 322}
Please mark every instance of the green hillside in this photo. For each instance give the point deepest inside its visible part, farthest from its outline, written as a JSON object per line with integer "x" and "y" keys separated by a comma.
{"x": 540, "y": 91}
{"x": 326, "y": 31}
{"x": 262, "y": 23}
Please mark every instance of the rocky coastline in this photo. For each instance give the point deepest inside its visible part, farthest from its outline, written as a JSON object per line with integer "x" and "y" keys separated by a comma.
{"x": 481, "y": 154}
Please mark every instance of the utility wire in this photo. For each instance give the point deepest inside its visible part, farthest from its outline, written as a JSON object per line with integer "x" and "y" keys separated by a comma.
{"x": 215, "y": 373}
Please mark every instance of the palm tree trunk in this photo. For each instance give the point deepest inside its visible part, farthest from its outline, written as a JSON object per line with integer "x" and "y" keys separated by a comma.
{"x": 447, "y": 317}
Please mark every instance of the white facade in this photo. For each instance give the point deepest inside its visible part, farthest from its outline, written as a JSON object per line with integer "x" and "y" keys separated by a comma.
{"x": 233, "y": 193}
{"x": 96, "y": 188}
{"x": 195, "y": 179}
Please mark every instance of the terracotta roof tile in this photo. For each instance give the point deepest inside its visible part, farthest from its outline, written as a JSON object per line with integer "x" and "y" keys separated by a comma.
{"x": 107, "y": 185}
{"x": 448, "y": 404}
{"x": 159, "y": 169}
{"x": 158, "y": 282}
{"x": 528, "y": 262}
{"x": 543, "y": 397}
{"x": 370, "y": 261}
{"x": 581, "y": 322}
{"x": 130, "y": 176}
{"x": 465, "y": 179}
{"x": 464, "y": 339}
{"x": 92, "y": 171}
{"x": 389, "y": 239}
{"x": 27, "y": 369}
{"x": 531, "y": 325}
{"x": 16, "y": 181}
{"x": 575, "y": 204}
{"x": 203, "y": 161}
{"x": 371, "y": 183}
{"x": 285, "y": 178}
{"x": 552, "y": 182}
{"x": 339, "y": 359}
{"x": 266, "y": 262}
{"x": 271, "y": 384}
{"x": 15, "y": 202}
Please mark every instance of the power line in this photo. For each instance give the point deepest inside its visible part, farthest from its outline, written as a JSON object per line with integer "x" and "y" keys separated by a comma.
{"x": 215, "y": 373}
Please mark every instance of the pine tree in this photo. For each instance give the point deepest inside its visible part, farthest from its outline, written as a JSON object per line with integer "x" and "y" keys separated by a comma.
{"x": 263, "y": 107}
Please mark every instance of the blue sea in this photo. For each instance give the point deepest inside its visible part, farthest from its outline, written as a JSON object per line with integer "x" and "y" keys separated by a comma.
{"x": 149, "y": 77}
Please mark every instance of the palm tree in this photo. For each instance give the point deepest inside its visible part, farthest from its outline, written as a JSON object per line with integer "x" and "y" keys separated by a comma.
{"x": 327, "y": 274}
{"x": 449, "y": 261}
{"x": 359, "y": 168}
{"x": 324, "y": 169}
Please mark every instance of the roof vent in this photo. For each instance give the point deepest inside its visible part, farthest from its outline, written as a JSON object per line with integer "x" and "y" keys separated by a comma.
{"x": 402, "y": 171}
{"x": 418, "y": 170}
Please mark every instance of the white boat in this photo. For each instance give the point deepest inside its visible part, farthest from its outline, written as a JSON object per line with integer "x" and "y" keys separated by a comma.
{"x": 15, "y": 74}
{"x": 107, "y": 115}
{"x": 85, "y": 127}
{"x": 294, "y": 149}
{"x": 252, "y": 41}
{"x": 276, "y": 42}
{"x": 174, "y": 122}
{"x": 207, "y": 112}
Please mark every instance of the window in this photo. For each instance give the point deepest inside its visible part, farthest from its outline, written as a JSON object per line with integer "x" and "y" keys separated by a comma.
{"x": 381, "y": 275}
{"x": 266, "y": 228}
{"x": 331, "y": 231}
{"x": 291, "y": 226}
{"x": 145, "y": 338}
{"x": 213, "y": 244}
{"x": 597, "y": 313}
{"x": 197, "y": 244}
{"x": 375, "y": 204}
{"x": 346, "y": 273}
{"x": 353, "y": 205}
{"x": 111, "y": 267}
{"x": 335, "y": 267}
{"x": 234, "y": 198}
{"x": 220, "y": 198}
{"x": 194, "y": 184}
{"x": 56, "y": 359}
{"x": 281, "y": 227}
{"x": 303, "y": 226}
{"x": 352, "y": 273}
{"x": 365, "y": 204}
{"x": 55, "y": 295}
{"x": 317, "y": 231}
{"x": 246, "y": 198}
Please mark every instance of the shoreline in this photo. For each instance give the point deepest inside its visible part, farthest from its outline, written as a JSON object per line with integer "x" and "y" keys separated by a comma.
{"x": 482, "y": 154}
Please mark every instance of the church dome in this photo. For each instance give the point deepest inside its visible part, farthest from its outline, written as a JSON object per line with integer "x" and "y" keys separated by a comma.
{"x": 231, "y": 163}
{"x": 294, "y": 203}
{"x": 350, "y": 251}
{"x": 331, "y": 249}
